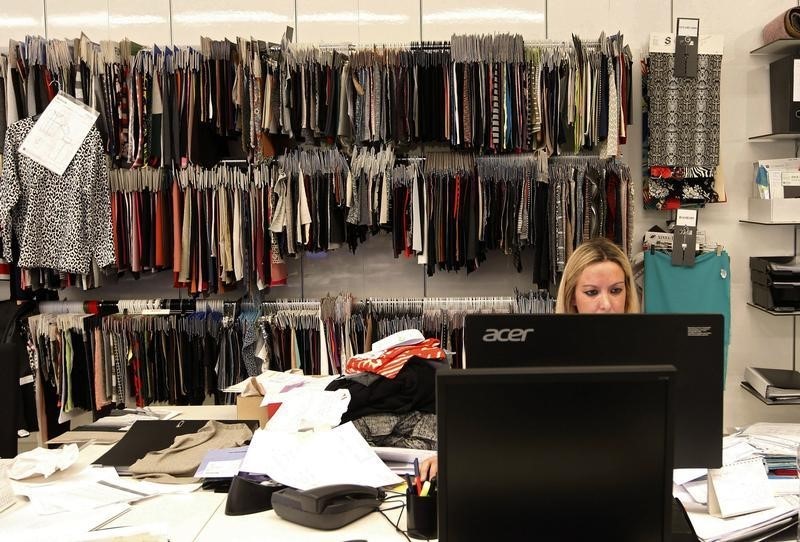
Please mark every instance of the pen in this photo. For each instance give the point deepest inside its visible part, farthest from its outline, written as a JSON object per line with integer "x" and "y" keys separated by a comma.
{"x": 416, "y": 474}
{"x": 408, "y": 481}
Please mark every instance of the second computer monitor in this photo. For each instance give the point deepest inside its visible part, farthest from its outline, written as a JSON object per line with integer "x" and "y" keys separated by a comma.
{"x": 693, "y": 343}
{"x": 567, "y": 453}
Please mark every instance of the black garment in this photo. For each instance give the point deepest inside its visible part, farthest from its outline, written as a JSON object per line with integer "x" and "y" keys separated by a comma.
{"x": 414, "y": 388}
{"x": 80, "y": 376}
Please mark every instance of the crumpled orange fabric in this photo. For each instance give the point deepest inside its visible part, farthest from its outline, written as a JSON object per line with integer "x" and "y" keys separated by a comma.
{"x": 390, "y": 362}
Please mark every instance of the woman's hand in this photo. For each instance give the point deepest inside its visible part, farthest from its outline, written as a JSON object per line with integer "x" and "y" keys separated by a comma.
{"x": 429, "y": 468}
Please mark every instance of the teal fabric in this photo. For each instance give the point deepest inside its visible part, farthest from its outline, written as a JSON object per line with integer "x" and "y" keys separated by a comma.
{"x": 704, "y": 288}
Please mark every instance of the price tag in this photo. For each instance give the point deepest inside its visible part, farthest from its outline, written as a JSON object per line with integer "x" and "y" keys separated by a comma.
{"x": 687, "y": 37}
{"x": 684, "y": 237}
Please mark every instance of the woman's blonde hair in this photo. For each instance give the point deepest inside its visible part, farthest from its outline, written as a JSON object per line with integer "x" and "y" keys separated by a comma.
{"x": 594, "y": 251}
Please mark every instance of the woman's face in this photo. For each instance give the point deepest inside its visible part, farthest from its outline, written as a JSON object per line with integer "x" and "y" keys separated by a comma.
{"x": 601, "y": 289}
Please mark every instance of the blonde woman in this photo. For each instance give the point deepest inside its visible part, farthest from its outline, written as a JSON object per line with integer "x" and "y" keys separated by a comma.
{"x": 597, "y": 279}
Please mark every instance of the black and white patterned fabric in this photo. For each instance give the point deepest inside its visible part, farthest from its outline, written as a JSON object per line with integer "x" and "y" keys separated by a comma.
{"x": 668, "y": 188}
{"x": 684, "y": 112}
{"x": 63, "y": 221}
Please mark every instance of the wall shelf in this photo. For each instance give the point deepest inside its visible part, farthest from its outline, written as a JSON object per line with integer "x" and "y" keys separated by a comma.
{"x": 778, "y": 47}
{"x": 793, "y": 314}
{"x": 775, "y": 137}
{"x": 773, "y": 313}
{"x": 762, "y": 223}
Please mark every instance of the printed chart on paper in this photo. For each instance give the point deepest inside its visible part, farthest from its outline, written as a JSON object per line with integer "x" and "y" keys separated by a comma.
{"x": 58, "y": 134}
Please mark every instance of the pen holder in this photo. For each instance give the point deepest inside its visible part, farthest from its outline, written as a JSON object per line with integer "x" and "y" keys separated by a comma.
{"x": 421, "y": 516}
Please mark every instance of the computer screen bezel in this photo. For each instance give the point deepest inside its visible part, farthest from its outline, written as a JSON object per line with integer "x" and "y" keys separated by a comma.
{"x": 693, "y": 343}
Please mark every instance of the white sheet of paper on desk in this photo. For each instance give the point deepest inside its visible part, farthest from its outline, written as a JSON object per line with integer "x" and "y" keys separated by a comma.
{"x": 698, "y": 489}
{"x": 319, "y": 458}
{"x": 681, "y": 476}
{"x": 92, "y": 488}
{"x": 279, "y": 394}
{"x": 783, "y": 435}
{"x": 736, "y": 451}
{"x": 271, "y": 381}
{"x": 25, "y": 525}
{"x": 303, "y": 409}
{"x": 740, "y": 488}
{"x": 784, "y": 486}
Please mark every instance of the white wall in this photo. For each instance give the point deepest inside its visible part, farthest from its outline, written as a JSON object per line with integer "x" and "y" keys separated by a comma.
{"x": 757, "y": 338}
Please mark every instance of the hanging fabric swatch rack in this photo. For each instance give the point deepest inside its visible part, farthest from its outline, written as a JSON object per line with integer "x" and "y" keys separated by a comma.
{"x": 178, "y": 106}
{"x": 292, "y": 329}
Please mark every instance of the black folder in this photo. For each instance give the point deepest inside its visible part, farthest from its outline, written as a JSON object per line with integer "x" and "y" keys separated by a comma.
{"x": 151, "y": 435}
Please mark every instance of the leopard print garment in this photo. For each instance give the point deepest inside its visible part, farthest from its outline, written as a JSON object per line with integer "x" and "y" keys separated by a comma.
{"x": 61, "y": 221}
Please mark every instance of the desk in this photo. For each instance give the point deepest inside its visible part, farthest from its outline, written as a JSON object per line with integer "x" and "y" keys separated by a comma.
{"x": 267, "y": 525}
{"x": 198, "y": 412}
{"x": 200, "y": 516}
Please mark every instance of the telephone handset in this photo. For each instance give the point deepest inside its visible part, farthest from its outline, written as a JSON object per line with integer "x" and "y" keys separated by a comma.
{"x": 327, "y": 507}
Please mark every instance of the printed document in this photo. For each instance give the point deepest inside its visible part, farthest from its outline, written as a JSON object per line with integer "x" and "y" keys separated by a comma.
{"x": 317, "y": 458}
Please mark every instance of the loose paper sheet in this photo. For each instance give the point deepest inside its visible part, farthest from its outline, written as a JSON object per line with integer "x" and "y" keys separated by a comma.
{"x": 312, "y": 459}
{"x": 303, "y": 409}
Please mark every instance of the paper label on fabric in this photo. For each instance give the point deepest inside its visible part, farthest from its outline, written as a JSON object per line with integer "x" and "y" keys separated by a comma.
{"x": 688, "y": 27}
{"x": 796, "y": 80}
{"x": 664, "y": 42}
{"x": 686, "y": 217}
{"x": 58, "y": 134}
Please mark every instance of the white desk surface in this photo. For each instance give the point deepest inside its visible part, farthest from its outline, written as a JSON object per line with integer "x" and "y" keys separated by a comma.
{"x": 268, "y": 526}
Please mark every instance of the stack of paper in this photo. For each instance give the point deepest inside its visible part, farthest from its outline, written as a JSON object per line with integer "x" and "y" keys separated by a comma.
{"x": 776, "y": 442}
{"x": 317, "y": 458}
{"x": 714, "y": 529}
{"x": 738, "y": 502}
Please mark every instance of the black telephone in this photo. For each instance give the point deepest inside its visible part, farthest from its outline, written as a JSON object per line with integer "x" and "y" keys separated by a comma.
{"x": 326, "y": 507}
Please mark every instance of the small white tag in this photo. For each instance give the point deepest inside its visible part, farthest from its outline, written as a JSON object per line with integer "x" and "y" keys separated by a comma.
{"x": 155, "y": 311}
{"x": 26, "y": 380}
{"x": 688, "y": 27}
{"x": 686, "y": 217}
{"x": 796, "y": 81}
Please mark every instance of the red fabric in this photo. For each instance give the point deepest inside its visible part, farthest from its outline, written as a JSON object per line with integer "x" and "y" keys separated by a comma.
{"x": 390, "y": 362}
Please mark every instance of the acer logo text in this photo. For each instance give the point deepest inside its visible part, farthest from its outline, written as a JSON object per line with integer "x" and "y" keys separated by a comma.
{"x": 506, "y": 335}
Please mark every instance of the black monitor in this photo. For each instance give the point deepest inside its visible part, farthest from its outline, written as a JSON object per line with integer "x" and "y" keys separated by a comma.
{"x": 693, "y": 343}
{"x": 567, "y": 453}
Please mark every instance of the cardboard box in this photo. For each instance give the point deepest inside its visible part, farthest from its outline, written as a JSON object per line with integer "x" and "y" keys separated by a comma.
{"x": 249, "y": 408}
{"x": 774, "y": 210}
